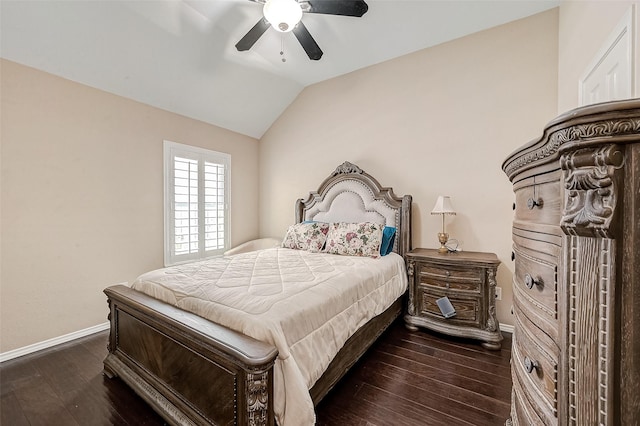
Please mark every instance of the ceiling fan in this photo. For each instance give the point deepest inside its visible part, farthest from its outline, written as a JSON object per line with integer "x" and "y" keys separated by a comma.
{"x": 285, "y": 16}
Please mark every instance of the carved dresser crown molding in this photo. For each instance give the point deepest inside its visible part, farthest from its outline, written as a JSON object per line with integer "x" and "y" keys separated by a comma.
{"x": 584, "y": 126}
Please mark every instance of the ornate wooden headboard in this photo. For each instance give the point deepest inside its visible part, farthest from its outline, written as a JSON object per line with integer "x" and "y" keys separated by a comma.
{"x": 350, "y": 194}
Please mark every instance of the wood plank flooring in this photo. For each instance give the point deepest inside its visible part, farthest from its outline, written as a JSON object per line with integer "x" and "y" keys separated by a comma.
{"x": 406, "y": 378}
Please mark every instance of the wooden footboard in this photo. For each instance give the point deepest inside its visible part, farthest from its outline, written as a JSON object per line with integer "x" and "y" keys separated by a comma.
{"x": 190, "y": 370}
{"x": 195, "y": 372}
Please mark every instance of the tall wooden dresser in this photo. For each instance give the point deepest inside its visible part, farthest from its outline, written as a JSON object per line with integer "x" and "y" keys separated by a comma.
{"x": 576, "y": 285}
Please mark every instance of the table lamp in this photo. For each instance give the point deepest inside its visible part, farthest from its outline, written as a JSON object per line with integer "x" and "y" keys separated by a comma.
{"x": 443, "y": 206}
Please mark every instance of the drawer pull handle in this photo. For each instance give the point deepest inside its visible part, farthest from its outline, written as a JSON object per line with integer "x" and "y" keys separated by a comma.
{"x": 530, "y": 365}
{"x": 514, "y": 206}
{"x": 530, "y": 282}
{"x": 513, "y": 256}
{"x": 534, "y": 202}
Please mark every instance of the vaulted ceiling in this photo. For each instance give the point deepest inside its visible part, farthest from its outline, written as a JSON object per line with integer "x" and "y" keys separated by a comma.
{"x": 180, "y": 55}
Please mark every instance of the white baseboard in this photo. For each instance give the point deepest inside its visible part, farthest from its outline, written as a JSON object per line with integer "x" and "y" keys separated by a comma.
{"x": 506, "y": 328}
{"x": 26, "y": 350}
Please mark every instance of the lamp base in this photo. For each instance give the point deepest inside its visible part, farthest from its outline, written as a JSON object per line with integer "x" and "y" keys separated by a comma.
{"x": 443, "y": 238}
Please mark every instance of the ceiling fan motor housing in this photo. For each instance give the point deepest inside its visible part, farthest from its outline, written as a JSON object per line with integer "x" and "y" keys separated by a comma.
{"x": 283, "y": 15}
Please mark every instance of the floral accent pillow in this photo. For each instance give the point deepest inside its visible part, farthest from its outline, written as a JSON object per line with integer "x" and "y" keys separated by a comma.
{"x": 355, "y": 239}
{"x": 306, "y": 236}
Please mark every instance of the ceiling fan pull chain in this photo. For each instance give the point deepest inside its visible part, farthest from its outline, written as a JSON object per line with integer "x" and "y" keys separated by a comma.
{"x": 282, "y": 48}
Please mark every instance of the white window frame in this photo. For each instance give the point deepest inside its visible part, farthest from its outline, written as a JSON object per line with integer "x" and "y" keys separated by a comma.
{"x": 200, "y": 155}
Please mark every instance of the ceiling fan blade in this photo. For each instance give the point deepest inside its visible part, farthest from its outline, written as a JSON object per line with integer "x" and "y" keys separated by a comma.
{"x": 336, "y": 7}
{"x": 308, "y": 43}
{"x": 253, "y": 35}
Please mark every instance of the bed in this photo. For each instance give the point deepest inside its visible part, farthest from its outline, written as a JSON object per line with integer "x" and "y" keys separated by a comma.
{"x": 195, "y": 366}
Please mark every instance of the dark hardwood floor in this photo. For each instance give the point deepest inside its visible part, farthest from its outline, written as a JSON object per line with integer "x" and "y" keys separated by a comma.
{"x": 406, "y": 378}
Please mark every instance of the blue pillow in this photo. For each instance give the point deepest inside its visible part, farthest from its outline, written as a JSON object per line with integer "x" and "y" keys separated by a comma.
{"x": 388, "y": 238}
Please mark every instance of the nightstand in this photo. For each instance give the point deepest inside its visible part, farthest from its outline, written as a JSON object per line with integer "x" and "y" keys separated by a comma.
{"x": 468, "y": 280}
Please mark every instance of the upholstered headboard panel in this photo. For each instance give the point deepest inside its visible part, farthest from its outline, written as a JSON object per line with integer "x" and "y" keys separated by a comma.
{"x": 351, "y": 195}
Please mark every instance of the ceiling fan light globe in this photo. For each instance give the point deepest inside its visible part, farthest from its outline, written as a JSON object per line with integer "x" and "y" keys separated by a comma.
{"x": 283, "y": 15}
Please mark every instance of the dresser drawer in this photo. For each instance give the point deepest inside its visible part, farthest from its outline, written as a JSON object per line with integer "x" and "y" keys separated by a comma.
{"x": 538, "y": 236}
{"x": 534, "y": 362}
{"x": 545, "y": 191}
{"x": 467, "y": 279}
{"x": 522, "y": 413}
{"x": 535, "y": 283}
{"x": 467, "y": 308}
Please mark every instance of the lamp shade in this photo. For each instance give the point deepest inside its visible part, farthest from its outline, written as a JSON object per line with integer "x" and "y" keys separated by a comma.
{"x": 443, "y": 206}
{"x": 283, "y": 15}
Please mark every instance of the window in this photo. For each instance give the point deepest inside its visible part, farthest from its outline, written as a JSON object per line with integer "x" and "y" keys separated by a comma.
{"x": 196, "y": 202}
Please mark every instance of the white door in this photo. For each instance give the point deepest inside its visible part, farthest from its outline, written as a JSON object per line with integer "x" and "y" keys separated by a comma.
{"x": 610, "y": 76}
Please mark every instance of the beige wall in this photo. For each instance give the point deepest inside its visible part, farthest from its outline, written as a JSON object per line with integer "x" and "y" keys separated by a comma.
{"x": 82, "y": 198}
{"x": 81, "y": 179}
{"x": 584, "y": 29}
{"x": 438, "y": 121}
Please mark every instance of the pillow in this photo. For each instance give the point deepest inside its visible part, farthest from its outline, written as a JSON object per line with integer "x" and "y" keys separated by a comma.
{"x": 388, "y": 239}
{"x": 306, "y": 236}
{"x": 355, "y": 239}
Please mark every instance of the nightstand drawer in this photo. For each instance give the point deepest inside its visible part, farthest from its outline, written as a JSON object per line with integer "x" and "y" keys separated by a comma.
{"x": 467, "y": 310}
{"x": 451, "y": 278}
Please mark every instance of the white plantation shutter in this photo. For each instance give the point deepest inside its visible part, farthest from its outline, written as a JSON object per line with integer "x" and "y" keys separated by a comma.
{"x": 196, "y": 202}
{"x": 214, "y": 206}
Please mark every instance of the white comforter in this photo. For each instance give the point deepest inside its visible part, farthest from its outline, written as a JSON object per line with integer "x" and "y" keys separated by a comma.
{"x": 305, "y": 304}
